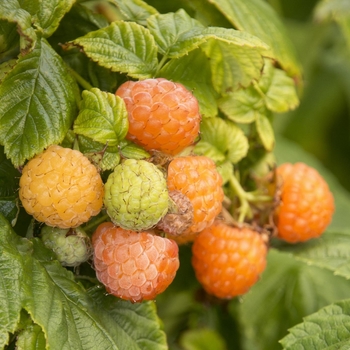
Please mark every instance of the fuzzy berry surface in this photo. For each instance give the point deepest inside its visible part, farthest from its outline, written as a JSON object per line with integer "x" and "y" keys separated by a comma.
{"x": 227, "y": 260}
{"x": 61, "y": 188}
{"x": 136, "y": 195}
{"x": 306, "y": 204}
{"x": 132, "y": 265}
{"x": 163, "y": 115}
{"x": 198, "y": 179}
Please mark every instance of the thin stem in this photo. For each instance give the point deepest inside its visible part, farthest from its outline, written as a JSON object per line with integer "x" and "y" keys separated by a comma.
{"x": 81, "y": 81}
{"x": 161, "y": 64}
{"x": 94, "y": 223}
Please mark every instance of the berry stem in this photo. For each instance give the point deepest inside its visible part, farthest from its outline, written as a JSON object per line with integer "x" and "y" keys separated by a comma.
{"x": 81, "y": 81}
{"x": 161, "y": 64}
{"x": 92, "y": 224}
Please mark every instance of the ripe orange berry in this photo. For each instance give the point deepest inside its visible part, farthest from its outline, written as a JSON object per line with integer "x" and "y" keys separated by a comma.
{"x": 61, "y": 188}
{"x": 306, "y": 203}
{"x": 132, "y": 265}
{"x": 198, "y": 179}
{"x": 227, "y": 260}
{"x": 163, "y": 115}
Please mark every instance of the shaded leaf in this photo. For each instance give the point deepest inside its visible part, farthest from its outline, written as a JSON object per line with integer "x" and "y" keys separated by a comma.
{"x": 329, "y": 328}
{"x": 193, "y": 71}
{"x": 9, "y": 41}
{"x": 47, "y": 14}
{"x": 258, "y": 18}
{"x": 135, "y": 10}
{"x": 202, "y": 339}
{"x": 103, "y": 117}
{"x": 265, "y": 131}
{"x": 37, "y": 98}
{"x": 31, "y": 338}
{"x": 11, "y": 11}
{"x": 331, "y": 9}
{"x": 287, "y": 291}
{"x": 122, "y": 46}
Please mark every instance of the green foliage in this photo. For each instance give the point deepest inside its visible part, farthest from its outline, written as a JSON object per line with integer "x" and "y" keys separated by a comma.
{"x": 61, "y": 62}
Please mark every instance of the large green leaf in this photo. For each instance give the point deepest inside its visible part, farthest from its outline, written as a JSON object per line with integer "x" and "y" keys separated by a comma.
{"x": 70, "y": 317}
{"x": 287, "y": 291}
{"x": 37, "y": 101}
{"x": 258, "y": 18}
{"x": 193, "y": 71}
{"x": 11, "y": 11}
{"x": 330, "y": 251}
{"x": 122, "y": 46}
{"x": 103, "y": 117}
{"x": 47, "y": 15}
{"x": 329, "y": 328}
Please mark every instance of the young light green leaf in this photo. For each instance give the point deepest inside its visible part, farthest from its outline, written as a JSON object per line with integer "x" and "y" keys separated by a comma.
{"x": 10, "y": 10}
{"x": 129, "y": 149}
{"x": 226, "y": 137}
{"x": 37, "y": 98}
{"x": 122, "y": 46}
{"x": 103, "y": 117}
{"x": 242, "y": 106}
{"x": 327, "y": 328}
{"x": 47, "y": 14}
{"x": 135, "y": 10}
{"x": 31, "y": 338}
{"x": 330, "y": 251}
{"x": 287, "y": 291}
{"x": 175, "y": 33}
{"x": 137, "y": 325}
{"x": 278, "y": 88}
{"x": 265, "y": 131}
{"x": 209, "y": 150}
{"x": 258, "y": 18}
{"x": 193, "y": 71}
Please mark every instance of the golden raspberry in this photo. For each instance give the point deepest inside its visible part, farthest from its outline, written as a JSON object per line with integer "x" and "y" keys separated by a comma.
{"x": 228, "y": 260}
{"x": 132, "y": 265}
{"x": 163, "y": 115}
{"x": 306, "y": 203}
{"x": 61, "y": 188}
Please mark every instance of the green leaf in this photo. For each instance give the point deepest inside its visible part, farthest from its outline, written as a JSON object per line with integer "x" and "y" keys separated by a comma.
{"x": 11, "y": 11}
{"x": 6, "y": 67}
{"x": 330, "y": 251}
{"x": 9, "y": 41}
{"x": 287, "y": 291}
{"x": 31, "y": 338}
{"x": 103, "y": 117}
{"x": 137, "y": 325}
{"x": 176, "y": 34}
{"x": 326, "y": 329}
{"x": 234, "y": 63}
{"x": 47, "y": 15}
{"x": 207, "y": 149}
{"x": 129, "y": 149}
{"x": 227, "y": 138}
{"x": 122, "y": 46}
{"x": 242, "y": 106}
{"x": 36, "y": 98}
{"x": 10, "y": 209}
{"x": 102, "y": 78}
{"x": 202, "y": 339}
{"x": 278, "y": 89}
{"x": 135, "y": 10}
{"x": 258, "y": 18}
{"x": 331, "y": 9}
{"x": 265, "y": 131}
{"x": 193, "y": 71}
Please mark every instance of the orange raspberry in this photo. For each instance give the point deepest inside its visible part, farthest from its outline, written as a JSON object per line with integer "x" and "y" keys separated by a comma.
{"x": 306, "y": 203}
{"x": 198, "y": 179}
{"x": 133, "y": 266}
{"x": 61, "y": 188}
{"x": 227, "y": 260}
{"x": 163, "y": 115}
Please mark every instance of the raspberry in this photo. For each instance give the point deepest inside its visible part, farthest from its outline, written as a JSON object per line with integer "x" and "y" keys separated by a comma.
{"x": 306, "y": 203}
{"x": 136, "y": 195}
{"x": 71, "y": 246}
{"x": 197, "y": 178}
{"x": 228, "y": 260}
{"x": 133, "y": 266}
{"x": 61, "y": 188}
{"x": 163, "y": 115}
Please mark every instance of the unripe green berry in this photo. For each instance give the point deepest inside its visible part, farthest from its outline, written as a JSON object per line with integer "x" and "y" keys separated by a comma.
{"x": 71, "y": 246}
{"x": 136, "y": 195}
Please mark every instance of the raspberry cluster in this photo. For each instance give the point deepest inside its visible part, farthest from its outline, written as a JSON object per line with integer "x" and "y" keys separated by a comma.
{"x": 154, "y": 205}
